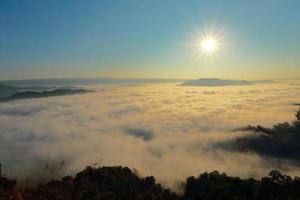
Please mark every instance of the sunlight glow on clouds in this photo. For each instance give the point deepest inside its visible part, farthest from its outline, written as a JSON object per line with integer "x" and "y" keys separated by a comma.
{"x": 149, "y": 127}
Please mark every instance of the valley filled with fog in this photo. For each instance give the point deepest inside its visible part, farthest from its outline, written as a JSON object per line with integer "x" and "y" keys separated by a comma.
{"x": 161, "y": 129}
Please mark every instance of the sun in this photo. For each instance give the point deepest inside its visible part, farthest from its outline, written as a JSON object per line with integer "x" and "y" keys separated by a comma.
{"x": 209, "y": 44}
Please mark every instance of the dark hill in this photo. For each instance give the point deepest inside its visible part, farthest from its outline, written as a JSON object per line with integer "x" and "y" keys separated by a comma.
{"x": 214, "y": 82}
{"x": 8, "y": 90}
{"x": 120, "y": 183}
{"x": 282, "y": 141}
{"x": 218, "y": 186}
{"x": 106, "y": 183}
{"x": 43, "y": 94}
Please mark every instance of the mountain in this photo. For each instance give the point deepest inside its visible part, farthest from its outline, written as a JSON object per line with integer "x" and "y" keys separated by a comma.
{"x": 214, "y": 82}
{"x": 43, "y": 94}
{"x": 8, "y": 90}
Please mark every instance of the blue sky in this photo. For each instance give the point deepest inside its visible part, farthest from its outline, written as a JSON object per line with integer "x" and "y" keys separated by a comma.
{"x": 148, "y": 39}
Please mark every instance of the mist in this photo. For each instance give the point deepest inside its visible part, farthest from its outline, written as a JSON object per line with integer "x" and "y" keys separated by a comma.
{"x": 163, "y": 130}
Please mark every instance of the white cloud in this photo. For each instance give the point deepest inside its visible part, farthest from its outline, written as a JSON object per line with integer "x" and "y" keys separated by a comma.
{"x": 182, "y": 122}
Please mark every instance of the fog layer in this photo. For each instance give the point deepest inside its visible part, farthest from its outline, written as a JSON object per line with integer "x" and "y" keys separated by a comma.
{"x": 163, "y": 130}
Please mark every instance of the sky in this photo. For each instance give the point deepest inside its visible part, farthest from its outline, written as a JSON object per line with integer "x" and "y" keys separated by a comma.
{"x": 149, "y": 39}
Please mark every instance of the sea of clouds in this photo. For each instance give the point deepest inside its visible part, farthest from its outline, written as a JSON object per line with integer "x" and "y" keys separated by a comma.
{"x": 164, "y": 130}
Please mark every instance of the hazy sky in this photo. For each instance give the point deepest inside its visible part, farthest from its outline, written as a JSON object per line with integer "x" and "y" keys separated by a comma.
{"x": 147, "y": 39}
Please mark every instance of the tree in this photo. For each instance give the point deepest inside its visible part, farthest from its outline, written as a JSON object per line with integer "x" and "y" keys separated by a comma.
{"x": 298, "y": 115}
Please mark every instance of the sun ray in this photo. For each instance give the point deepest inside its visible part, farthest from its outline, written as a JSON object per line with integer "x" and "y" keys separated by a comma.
{"x": 208, "y": 41}
{"x": 208, "y": 44}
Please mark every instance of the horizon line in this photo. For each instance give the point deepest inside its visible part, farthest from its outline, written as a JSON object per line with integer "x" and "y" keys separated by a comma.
{"x": 135, "y": 78}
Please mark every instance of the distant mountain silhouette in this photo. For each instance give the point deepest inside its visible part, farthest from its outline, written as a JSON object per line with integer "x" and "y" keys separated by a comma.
{"x": 8, "y": 90}
{"x": 43, "y": 94}
{"x": 214, "y": 82}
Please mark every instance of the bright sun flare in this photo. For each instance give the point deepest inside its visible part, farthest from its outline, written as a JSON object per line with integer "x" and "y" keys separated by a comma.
{"x": 208, "y": 44}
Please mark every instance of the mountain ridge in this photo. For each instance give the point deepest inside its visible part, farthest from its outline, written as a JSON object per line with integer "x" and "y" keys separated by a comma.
{"x": 215, "y": 82}
{"x": 43, "y": 94}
